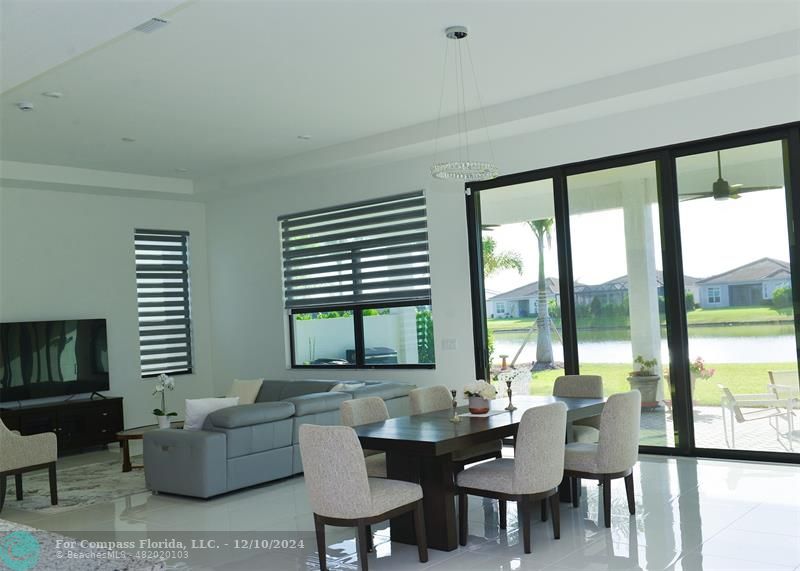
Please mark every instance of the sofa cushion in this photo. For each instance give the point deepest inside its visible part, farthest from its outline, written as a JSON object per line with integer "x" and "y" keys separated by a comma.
{"x": 197, "y": 410}
{"x": 250, "y": 414}
{"x": 317, "y": 402}
{"x": 384, "y": 390}
{"x": 246, "y": 390}
{"x": 272, "y": 391}
{"x": 257, "y": 437}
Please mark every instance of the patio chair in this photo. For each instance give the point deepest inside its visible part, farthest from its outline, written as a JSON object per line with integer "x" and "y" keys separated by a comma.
{"x": 786, "y": 385}
{"x": 764, "y": 405}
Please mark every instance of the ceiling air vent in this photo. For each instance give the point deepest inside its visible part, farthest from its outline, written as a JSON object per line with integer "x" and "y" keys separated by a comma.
{"x": 151, "y": 25}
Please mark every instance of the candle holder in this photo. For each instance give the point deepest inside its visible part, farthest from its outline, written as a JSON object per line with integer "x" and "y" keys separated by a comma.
{"x": 455, "y": 417}
{"x": 510, "y": 406}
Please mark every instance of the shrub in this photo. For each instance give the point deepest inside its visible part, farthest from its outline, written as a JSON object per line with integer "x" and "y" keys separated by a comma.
{"x": 782, "y": 297}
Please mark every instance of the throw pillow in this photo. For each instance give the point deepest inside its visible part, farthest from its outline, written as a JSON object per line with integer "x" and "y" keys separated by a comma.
{"x": 247, "y": 391}
{"x": 198, "y": 409}
{"x": 347, "y": 387}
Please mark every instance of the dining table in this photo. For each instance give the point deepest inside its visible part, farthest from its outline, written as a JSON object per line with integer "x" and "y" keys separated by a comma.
{"x": 420, "y": 449}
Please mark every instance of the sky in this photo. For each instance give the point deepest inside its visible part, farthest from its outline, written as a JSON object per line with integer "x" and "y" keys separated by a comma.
{"x": 716, "y": 236}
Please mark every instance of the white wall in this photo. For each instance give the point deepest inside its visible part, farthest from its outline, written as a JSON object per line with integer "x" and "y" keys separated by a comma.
{"x": 71, "y": 255}
{"x": 244, "y": 249}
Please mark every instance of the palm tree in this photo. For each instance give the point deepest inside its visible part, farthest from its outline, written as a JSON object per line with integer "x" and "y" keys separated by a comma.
{"x": 496, "y": 261}
{"x": 543, "y": 230}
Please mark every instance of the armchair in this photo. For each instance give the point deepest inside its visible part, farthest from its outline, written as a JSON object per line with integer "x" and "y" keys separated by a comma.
{"x": 20, "y": 454}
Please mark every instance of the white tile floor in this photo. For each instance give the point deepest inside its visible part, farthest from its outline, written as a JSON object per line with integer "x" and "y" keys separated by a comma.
{"x": 691, "y": 515}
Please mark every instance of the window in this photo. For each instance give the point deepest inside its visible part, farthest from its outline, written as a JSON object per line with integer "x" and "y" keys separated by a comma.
{"x": 714, "y": 295}
{"x": 162, "y": 295}
{"x": 500, "y": 307}
{"x": 357, "y": 285}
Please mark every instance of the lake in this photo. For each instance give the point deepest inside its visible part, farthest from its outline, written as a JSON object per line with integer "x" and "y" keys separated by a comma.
{"x": 746, "y": 344}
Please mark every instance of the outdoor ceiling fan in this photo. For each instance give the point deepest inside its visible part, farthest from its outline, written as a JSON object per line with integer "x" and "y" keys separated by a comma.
{"x": 723, "y": 190}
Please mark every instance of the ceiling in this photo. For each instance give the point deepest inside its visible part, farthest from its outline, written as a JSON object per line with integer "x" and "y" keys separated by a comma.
{"x": 229, "y": 85}
{"x": 760, "y": 164}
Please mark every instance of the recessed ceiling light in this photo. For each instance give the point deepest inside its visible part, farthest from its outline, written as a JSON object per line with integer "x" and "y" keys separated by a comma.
{"x": 128, "y": 140}
{"x": 25, "y": 106}
{"x": 304, "y": 137}
{"x": 53, "y": 94}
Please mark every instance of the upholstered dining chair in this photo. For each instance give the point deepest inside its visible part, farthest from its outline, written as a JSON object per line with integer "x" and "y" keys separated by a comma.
{"x": 341, "y": 494}
{"x": 364, "y": 411}
{"x": 438, "y": 397}
{"x": 615, "y": 453}
{"x": 20, "y": 454}
{"x": 581, "y": 386}
{"x": 532, "y": 475}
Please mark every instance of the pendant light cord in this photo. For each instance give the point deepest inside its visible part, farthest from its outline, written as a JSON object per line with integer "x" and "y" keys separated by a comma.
{"x": 480, "y": 102}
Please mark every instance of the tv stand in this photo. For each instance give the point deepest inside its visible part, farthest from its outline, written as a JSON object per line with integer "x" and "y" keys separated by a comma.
{"x": 77, "y": 423}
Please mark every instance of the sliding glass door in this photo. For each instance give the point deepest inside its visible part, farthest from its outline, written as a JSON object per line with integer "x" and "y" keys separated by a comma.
{"x": 618, "y": 288}
{"x": 520, "y": 272}
{"x": 740, "y": 320}
{"x": 672, "y": 271}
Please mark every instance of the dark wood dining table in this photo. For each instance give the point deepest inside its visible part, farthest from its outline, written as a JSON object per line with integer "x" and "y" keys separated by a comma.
{"x": 420, "y": 449}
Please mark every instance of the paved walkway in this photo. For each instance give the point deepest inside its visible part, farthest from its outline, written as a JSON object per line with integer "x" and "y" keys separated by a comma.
{"x": 767, "y": 434}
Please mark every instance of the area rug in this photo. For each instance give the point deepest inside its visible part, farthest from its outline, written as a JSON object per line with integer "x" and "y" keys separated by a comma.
{"x": 78, "y": 487}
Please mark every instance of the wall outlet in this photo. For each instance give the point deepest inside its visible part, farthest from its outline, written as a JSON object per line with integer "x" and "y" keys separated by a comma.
{"x": 449, "y": 344}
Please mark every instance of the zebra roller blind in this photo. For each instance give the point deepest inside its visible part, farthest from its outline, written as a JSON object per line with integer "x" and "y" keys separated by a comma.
{"x": 368, "y": 253}
{"x": 162, "y": 292}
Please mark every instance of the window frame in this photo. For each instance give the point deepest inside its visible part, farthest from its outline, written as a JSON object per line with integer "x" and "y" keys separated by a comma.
{"x": 358, "y": 327}
{"x": 189, "y": 325}
{"x": 714, "y": 298}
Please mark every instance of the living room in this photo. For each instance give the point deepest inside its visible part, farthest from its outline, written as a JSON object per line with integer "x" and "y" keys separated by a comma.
{"x": 221, "y": 124}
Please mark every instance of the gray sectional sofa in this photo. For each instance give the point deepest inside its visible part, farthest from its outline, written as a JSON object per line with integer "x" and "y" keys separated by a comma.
{"x": 250, "y": 444}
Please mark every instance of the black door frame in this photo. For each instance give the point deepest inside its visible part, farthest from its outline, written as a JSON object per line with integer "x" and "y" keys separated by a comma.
{"x": 677, "y": 333}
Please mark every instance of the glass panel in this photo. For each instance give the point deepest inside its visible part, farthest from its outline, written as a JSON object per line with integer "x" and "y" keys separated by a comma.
{"x": 520, "y": 267}
{"x": 398, "y": 336}
{"x": 619, "y": 290}
{"x": 324, "y": 338}
{"x": 739, "y": 309}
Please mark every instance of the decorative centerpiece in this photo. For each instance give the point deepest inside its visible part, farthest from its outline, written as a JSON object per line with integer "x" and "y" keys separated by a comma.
{"x": 508, "y": 377}
{"x": 164, "y": 384}
{"x": 479, "y": 394}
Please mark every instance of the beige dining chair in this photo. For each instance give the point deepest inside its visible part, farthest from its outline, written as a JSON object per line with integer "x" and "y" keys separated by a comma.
{"x": 581, "y": 386}
{"x": 532, "y": 475}
{"x": 438, "y": 397}
{"x": 365, "y": 411}
{"x": 615, "y": 453}
{"x": 20, "y": 454}
{"x": 341, "y": 494}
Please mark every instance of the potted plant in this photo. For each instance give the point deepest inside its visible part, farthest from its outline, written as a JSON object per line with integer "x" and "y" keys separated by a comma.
{"x": 479, "y": 394}
{"x": 698, "y": 370}
{"x": 164, "y": 384}
{"x": 645, "y": 380}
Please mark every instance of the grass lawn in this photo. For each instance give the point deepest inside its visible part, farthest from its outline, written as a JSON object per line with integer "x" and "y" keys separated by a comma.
{"x": 696, "y": 317}
{"x": 735, "y": 315}
{"x": 738, "y": 377}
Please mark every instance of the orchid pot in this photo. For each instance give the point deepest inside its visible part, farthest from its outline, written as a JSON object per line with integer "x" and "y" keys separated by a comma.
{"x": 479, "y": 394}
{"x": 478, "y": 405}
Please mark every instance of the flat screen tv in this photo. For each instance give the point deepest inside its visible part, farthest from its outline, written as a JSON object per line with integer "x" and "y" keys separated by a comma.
{"x": 51, "y": 358}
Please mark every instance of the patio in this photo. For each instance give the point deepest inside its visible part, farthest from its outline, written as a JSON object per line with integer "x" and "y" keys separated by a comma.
{"x": 710, "y": 431}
